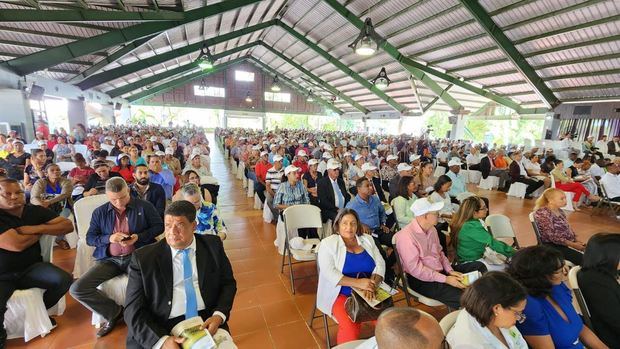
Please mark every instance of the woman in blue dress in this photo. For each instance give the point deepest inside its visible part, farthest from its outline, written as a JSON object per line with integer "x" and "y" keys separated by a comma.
{"x": 551, "y": 321}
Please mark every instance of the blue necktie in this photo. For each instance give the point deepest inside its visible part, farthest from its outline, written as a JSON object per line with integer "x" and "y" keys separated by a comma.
{"x": 191, "y": 306}
{"x": 339, "y": 197}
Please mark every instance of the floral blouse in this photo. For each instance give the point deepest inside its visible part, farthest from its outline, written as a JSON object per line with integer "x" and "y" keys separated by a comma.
{"x": 208, "y": 220}
{"x": 553, "y": 228}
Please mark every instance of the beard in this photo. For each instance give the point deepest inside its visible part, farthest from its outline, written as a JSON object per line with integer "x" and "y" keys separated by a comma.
{"x": 143, "y": 181}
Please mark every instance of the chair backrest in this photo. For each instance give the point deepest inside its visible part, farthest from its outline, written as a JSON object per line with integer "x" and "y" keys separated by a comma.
{"x": 448, "y": 321}
{"x": 84, "y": 209}
{"x": 302, "y": 216}
{"x": 47, "y": 247}
{"x": 535, "y": 227}
{"x": 65, "y": 166}
{"x": 500, "y": 227}
{"x": 581, "y": 302}
{"x": 552, "y": 181}
{"x": 350, "y": 345}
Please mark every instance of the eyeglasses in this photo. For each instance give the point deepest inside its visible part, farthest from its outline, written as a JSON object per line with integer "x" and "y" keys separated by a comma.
{"x": 562, "y": 270}
{"x": 483, "y": 208}
{"x": 520, "y": 316}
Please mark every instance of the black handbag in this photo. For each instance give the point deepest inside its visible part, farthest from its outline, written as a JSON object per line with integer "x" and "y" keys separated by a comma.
{"x": 359, "y": 310}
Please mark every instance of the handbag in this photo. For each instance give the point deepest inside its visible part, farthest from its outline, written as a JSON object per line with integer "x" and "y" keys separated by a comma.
{"x": 359, "y": 310}
{"x": 492, "y": 257}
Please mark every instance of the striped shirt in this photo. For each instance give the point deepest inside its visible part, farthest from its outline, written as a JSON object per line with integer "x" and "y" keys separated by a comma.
{"x": 274, "y": 177}
{"x": 291, "y": 195}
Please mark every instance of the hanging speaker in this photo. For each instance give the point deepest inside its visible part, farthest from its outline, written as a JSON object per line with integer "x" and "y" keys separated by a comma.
{"x": 36, "y": 93}
{"x": 118, "y": 106}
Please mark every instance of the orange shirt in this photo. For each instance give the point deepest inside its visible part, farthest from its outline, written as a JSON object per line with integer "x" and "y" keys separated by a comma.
{"x": 500, "y": 162}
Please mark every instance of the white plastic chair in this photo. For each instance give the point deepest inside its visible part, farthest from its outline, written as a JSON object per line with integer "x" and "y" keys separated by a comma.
{"x": 474, "y": 176}
{"x": 489, "y": 183}
{"x": 250, "y": 188}
{"x": 439, "y": 171}
{"x": 65, "y": 166}
{"x": 258, "y": 205}
{"x": 581, "y": 302}
{"x": 298, "y": 217}
{"x": 501, "y": 228}
{"x": 83, "y": 210}
{"x": 115, "y": 289}
{"x": 569, "y": 197}
{"x": 517, "y": 189}
{"x": 72, "y": 238}
{"x": 350, "y": 345}
{"x": 111, "y": 158}
{"x": 240, "y": 170}
{"x": 448, "y": 321}
{"x": 233, "y": 166}
{"x": 26, "y": 316}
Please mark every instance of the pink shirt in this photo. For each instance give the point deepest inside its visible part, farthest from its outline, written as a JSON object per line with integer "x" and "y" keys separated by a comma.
{"x": 421, "y": 254}
{"x": 121, "y": 225}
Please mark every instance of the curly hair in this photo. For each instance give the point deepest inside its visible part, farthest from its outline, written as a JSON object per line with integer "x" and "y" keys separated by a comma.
{"x": 533, "y": 266}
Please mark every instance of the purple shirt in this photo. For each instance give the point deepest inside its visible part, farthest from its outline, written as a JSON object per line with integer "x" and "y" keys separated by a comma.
{"x": 121, "y": 225}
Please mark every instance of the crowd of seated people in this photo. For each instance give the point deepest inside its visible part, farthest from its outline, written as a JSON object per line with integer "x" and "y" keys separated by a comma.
{"x": 36, "y": 197}
{"x": 438, "y": 224}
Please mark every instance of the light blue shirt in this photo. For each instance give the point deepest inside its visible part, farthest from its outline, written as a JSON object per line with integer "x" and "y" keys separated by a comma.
{"x": 458, "y": 184}
{"x": 371, "y": 213}
{"x": 166, "y": 179}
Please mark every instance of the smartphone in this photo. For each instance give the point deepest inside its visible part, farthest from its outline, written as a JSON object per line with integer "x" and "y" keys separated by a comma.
{"x": 126, "y": 238}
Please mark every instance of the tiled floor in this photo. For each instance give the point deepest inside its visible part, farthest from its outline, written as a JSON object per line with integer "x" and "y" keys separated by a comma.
{"x": 266, "y": 314}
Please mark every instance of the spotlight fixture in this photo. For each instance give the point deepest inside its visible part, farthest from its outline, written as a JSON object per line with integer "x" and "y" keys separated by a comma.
{"x": 205, "y": 59}
{"x": 203, "y": 85}
{"x": 275, "y": 86}
{"x": 367, "y": 43}
{"x": 248, "y": 98}
{"x": 381, "y": 81}
{"x": 310, "y": 96}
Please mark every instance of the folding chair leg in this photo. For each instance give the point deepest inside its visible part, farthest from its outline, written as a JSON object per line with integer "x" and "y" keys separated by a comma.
{"x": 312, "y": 316}
{"x": 283, "y": 258}
{"x": 290, "y": 269}
{"x": 327, "y": 341}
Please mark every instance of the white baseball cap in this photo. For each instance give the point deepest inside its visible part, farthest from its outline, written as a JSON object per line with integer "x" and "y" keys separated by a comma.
{"x": 169, "y": 151}
{"x": 290, "y": 168}
{"x": 328, "y": 147}
{"x": 263, "y": 153}
{"x": 375, "y": 152}
{"x": 123, "y": 155}
{"x": 413, "y": 157}
{"x": 302, "y": 153}
{"x": 161, "y": 153}
{"x": 277, "y": 158}
{"x": 313, "y": 162}
{"x": 358, "y": 156}
{"x": 403, "y": 167}
{"x": 256, "y": 147}
{"x": 454, "y": 162}
{"x": 346, "y": 154}
{"x": 333, "y": 164}
{"x": 423, "y": 206}
{"x": 326, "y": 155}
{"x": 194, "y": 155}
{"x": 368, "y": 167}
{"x": 391, "y": 157}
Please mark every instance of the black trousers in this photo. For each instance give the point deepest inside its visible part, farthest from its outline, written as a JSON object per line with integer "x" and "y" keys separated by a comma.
{"x": 446, "y": 294}
{"x": 213, "y": 189}
{"x": 532, "y": 185}
{"x": 569, "y": 254}
{"x": 385, "y": 239}
{"x": 442, "y": 237}
{"x": 53, "y": 280}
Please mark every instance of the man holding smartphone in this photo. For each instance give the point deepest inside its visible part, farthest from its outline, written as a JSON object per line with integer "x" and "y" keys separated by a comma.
{"x": 116, "y": 229}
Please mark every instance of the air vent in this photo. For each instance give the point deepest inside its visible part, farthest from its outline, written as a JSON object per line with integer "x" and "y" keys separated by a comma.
{"x": 582, "y": 110}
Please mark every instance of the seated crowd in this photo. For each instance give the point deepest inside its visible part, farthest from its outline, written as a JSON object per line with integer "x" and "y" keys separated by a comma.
{"x": 388, "y": 205}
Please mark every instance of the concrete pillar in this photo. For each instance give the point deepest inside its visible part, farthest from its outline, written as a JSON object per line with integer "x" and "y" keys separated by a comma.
{"x": 458, "y": 128}
{"x": 76, "y": 113}
{"x": 264, "y": 120}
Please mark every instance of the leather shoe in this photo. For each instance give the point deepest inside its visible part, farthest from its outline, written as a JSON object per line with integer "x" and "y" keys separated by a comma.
{"x": 109, "y": 326}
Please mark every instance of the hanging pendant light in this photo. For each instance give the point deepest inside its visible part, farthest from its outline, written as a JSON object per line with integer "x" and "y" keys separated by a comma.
{"x": 367, "y": 43}
{"x": 310, "y": 97}
{"x": 381, "y": 81}
{"x": 248, "y": 98}
{"x": 203, "y": 85}
{"x": 275, "y": 86}
{"x": 205, "y": 59}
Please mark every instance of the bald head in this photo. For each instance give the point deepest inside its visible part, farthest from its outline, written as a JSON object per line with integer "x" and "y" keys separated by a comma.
{"x": 404, "y": 327}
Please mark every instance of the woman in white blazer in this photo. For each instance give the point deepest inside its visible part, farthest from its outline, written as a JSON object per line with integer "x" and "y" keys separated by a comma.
{"x": 349, "y": 258}
{"x": 491, "y": 308}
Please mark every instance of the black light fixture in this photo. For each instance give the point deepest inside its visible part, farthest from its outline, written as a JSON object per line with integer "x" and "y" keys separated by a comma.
{"x": 248, "y": 98}
{"x": 205, "y": 58}
{"x": 381, "y": 81}
{"x": 310, "y": 96}
{"x": 275, "y": 86}
{"x": 367, "y": 43}
{"x": 203, "y": 85}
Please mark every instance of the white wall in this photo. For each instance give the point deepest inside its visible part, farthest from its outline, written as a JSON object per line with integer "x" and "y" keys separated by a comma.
{"x": 16, "y": 111}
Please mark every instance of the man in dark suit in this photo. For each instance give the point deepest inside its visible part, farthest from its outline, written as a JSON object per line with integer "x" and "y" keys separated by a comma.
{"x": 488, "y": 169}
{"x": 613, "y": 147}
{"x": 332, "y": 192}
{"x": 518, "y": 174}
{"x": 160, "y": 295}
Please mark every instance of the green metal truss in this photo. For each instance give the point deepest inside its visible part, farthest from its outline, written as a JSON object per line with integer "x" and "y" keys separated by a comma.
{"x": 182, "y": 80}
{"x": 98, "y": 79}
{"x": 394, "y": 53}
{"x": 317, "y": 79}
{"x": 86, "y": 15}
{"x": 410, "y": 63}
{"x": 56, "y": 55}
{"x": 172, "y": 72}
{"x": 295, "y": 85}
{"x": 502, "y": 41}
{"x": 399, "y": 107}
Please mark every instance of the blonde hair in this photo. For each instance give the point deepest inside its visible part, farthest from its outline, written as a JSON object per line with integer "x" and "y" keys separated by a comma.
{"x": 543, "y": 200}
{"x": 466, "y": 211}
